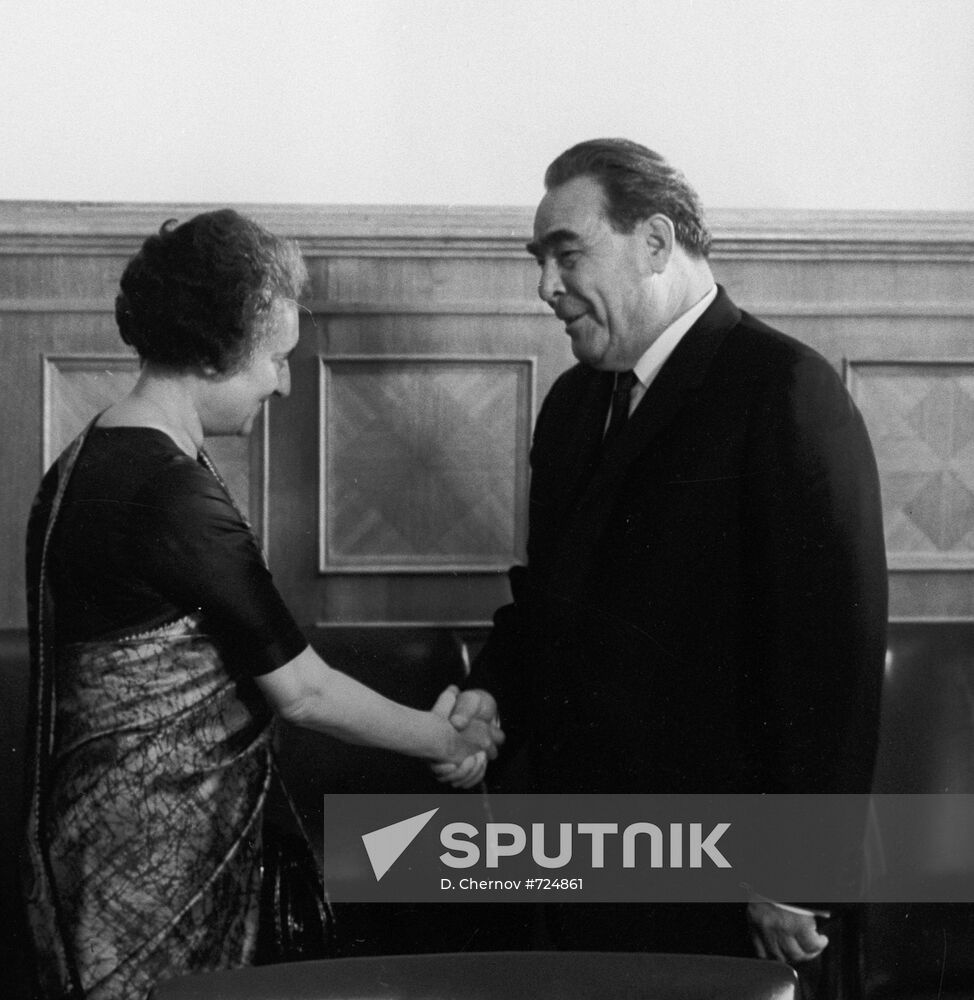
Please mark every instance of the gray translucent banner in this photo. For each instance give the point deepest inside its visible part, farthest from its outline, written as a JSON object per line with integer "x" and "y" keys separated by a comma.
{"x": 649, "y": 848}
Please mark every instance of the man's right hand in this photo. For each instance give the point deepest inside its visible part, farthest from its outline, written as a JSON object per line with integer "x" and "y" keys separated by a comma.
{"x": 474, "y": 708}
{"x": 474, "y": 704}
{"x": 481, "y": 731}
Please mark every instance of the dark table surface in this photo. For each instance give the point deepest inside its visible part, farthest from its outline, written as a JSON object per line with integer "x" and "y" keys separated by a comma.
{"x": 490, "y": 975}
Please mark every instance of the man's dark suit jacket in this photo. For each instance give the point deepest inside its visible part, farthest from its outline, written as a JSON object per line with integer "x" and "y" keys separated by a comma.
{"x": 703, "y": 607}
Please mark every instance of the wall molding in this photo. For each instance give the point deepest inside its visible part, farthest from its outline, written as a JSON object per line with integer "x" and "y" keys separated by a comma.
{"x": 532, "y": 307}
{"x": 106, "y": 229}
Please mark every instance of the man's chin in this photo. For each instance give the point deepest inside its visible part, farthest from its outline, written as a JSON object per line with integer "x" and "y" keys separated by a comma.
{"x": 587, "y": 352}
{"x": 589, "y": 340}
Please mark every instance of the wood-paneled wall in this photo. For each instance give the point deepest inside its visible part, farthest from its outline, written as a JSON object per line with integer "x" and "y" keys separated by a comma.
{"x": 391, "y": 486}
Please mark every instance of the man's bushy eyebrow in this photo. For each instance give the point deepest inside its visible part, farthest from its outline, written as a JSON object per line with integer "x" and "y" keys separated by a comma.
{"x": 549, "y": 240}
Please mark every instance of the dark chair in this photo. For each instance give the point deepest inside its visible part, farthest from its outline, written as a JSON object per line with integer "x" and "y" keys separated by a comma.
{"x": 916, "y": 951}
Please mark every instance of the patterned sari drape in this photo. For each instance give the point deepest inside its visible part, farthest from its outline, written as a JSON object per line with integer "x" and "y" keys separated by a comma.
{"x": 146, "y": 796}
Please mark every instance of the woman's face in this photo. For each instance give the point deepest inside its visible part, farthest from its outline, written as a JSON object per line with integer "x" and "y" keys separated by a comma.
{"x": 229, "y": 404}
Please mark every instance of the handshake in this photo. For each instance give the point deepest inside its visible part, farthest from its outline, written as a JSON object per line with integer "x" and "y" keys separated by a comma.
{"x": 473, "y": 739}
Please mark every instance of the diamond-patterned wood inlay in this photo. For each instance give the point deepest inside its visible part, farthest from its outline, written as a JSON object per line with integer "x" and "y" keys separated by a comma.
{"x": 76, "y": 387}
{"x": 424, "y": 463}
{"x": 920, "y": 417}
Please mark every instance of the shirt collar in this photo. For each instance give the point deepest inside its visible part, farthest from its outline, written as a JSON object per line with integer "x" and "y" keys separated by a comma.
{"x": 647, "y": 367}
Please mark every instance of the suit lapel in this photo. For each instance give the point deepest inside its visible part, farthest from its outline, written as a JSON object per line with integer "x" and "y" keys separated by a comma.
{"x": 680, "y": 377}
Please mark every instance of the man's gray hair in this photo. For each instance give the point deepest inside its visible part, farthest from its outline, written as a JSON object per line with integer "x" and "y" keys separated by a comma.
{"x": 637, "y": 183}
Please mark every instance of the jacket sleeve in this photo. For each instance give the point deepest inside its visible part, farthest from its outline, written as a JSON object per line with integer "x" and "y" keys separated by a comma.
{"x": 503, "y": 667}
{"x": 817, "y": 585}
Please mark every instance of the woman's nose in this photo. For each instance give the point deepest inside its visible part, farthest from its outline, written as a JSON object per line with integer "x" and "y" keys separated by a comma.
{"x": 284, "y": 381}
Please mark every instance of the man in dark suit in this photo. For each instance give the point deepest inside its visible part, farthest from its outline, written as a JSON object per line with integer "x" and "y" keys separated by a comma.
{"x": 703, "y": 607}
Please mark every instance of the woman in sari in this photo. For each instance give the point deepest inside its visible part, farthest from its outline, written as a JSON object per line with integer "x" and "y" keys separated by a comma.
{"x": 161, "y": 650}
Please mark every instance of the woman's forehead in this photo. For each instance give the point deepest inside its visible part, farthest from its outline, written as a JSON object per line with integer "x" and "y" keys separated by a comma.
{"x": 282, "y": 326}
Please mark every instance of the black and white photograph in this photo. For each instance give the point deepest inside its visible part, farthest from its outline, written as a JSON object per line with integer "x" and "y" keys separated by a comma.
{"x": 562, "y": 413}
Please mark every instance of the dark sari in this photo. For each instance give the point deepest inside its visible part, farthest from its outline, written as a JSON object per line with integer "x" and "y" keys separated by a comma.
{"x": 146, "y": 796}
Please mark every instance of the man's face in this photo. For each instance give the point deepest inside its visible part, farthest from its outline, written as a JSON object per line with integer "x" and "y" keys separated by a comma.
{"x": 599, "y": 282}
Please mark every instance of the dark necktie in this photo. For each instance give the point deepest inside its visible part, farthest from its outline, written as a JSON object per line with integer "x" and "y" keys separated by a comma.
{"x": 619, "y": 413}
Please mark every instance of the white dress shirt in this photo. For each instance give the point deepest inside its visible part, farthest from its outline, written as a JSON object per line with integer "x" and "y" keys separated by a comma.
{"x": 648, "y": 366}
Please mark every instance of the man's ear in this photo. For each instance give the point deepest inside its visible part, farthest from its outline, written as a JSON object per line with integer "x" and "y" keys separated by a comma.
{"x": 660, "y": 237}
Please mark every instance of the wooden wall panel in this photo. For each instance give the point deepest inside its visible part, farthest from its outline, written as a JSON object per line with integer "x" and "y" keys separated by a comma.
{"x": 26, "y": 340}
{"x": 58, "y": 282}
{"x": 439, "y": 283}
{"x": 457, "y": 594}
{"x": 79, "y": 386}
{"x": 423, "y": 463}
{"x": 76, "y": 387}
{"x": 396, "y": 288}
{"x": 921, "y": 420}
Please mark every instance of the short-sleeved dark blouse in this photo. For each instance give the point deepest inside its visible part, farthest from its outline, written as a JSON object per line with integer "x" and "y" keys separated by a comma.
{"x": 147, "y": 535}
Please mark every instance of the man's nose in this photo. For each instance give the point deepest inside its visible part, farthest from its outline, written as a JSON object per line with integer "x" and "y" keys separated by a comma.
{"x": 550, "y": 284}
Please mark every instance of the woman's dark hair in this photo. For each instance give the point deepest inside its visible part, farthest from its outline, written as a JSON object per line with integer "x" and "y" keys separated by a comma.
{"x": 198, "y": 294}
{"x": 637, "y": 183}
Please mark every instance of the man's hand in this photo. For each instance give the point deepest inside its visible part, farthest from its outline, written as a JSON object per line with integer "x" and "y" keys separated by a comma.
{"x": 472, "y": 769}
{"x": 784, "y": 934}
{"x": 474, "y": 704}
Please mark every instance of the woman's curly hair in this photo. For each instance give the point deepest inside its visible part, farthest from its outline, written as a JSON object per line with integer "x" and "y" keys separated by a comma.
{"x": 198, "y": 294}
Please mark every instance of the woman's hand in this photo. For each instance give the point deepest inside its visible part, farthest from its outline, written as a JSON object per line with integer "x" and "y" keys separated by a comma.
{"x": 308, "y": 693}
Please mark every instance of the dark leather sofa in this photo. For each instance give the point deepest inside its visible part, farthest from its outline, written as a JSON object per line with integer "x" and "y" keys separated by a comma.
{"x": 924, "y": 950}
